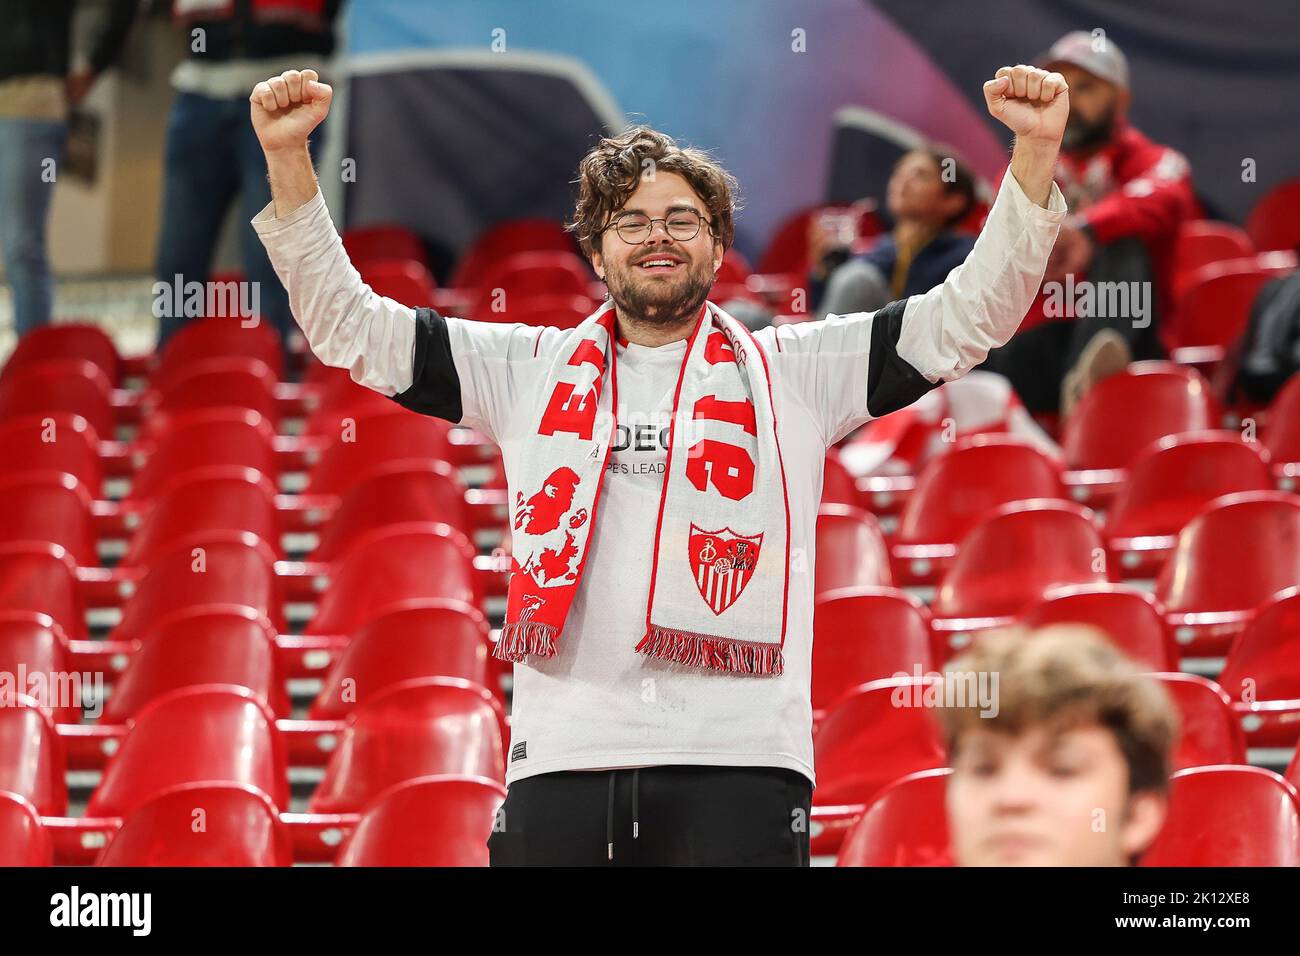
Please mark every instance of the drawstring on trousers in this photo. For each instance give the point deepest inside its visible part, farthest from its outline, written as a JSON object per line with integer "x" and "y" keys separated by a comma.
{"x": 609, "y": 813}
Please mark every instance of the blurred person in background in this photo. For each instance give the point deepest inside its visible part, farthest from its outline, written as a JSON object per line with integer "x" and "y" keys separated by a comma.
{"x": 37, "y": 88}
{"x": 928, "y": 194}
{"x": 1128, "y": 197}
{"x": 1070, "y": 767}
{"x": 213, "y": 159}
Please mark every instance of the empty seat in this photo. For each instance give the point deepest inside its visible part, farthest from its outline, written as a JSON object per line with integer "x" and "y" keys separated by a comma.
{"x": 1228, "y": 816}
{"x": 954, "y": 492}
{"x": 1202, "y": 242}
{"x": 1169, "y": 484}
{"x": 864, "y": 634}
{"x": 213, "y": 733}
{"x": 429, "y": 821}
{"x": 68, "y": 386}
{"x": 228, "y": 382}
{"x": 402, "y": 280}
{"x": 52, "y": 507}
{"x": 84, "y": 341}
{"x": 56, "y": 442}
{"x": 214, "y": 337}
{"x": 1122, "y": 415}
{"x": 32, "y": 760}
{"x": 526, "y": 274}
{"x": 1273, "y": 222}
{"x": 394, "y": 493}
{"x": 200, "y": 439}
{"x": 851, "y": 551}
{"x": 204, "y": 644}
{"x": 1129, "y": 617}
{"x": 24, "y": 841}
{"x": 1215, "y": 306}
{"x": 431, "y": 725}
{"x": 1012, "y": 560}
{"x": 220, "y": 567}
{"x": 393, "y": 564}
{"x": 383, "y": 241}
{"x": 1262, "y": 673}
{"x": 505, "y": 239}
{"x": 838, "y": 486}
{"x": 426, "y": 637}
{"x": 32, "y": 641}
{"x": 1209, "y": 733}
{"x": 1230, "y": 559}
{"x": 374, "y": 440}
{"x": 201, "y": 824}
{"x": 563, "y": 311}
{"x": 212, "y": 499}
{"x": 36, "y": 576}
{"x": 906, "y": 825}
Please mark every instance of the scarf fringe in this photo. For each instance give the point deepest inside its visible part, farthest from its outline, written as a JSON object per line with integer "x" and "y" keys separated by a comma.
{"x": 521, "y": 638}
{"x": 708, "y": 650}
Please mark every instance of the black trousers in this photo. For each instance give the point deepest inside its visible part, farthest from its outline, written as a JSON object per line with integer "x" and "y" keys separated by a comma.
{"x": 1036, "y": 361}
{"x": 656, "y": 816}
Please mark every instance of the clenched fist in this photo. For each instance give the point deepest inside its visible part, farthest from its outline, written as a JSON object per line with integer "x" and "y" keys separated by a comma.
{"x": 286, "y": 108}
{"x": 1034, "y": 104}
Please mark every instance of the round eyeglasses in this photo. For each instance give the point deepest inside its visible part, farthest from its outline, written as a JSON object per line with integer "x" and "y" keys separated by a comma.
{"x": 683, "y": 225}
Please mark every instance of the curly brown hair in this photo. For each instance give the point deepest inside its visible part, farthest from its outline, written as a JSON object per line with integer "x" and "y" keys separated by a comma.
{"x": 610, "y": 173}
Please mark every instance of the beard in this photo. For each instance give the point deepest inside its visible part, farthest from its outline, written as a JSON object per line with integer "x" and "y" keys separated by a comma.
{"x": 1080, "y": 134}
{"x": 656, "y": 301}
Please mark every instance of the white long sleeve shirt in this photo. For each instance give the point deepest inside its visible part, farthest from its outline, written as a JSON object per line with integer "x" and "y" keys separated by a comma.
{"x": 597, "y": 703}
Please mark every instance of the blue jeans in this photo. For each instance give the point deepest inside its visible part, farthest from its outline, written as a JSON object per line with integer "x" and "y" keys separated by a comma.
{"x": 213, "y": 159}
{"x": 25, "y": 146}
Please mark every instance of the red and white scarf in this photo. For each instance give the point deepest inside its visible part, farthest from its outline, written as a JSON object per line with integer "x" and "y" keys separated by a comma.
{"x": 718, "y": 576}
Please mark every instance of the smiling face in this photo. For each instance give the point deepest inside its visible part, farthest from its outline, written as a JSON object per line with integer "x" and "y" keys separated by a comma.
{"x": 1047, "y": 798}
{"x": 663, "y": 280}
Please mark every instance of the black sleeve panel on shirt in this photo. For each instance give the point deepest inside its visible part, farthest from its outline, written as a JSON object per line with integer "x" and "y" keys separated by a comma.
{"x": 435, "y": 384}
{"x": 892, "y": 383}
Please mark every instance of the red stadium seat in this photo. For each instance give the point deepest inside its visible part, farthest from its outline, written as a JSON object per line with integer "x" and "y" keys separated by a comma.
{"x": 1011, "y": 561}
{"x": 203, "y": 644}
{"x": 379, "y": 242}
{"x": 82, "y": 341}
{"x": 1262, "y": 673}
{"x": 838, "y": 486}
{"x": 526, "y": 274}
{"x": 229, "y": 382}
{"x": 1202, "y": 242}
{"x": 1274, "y": 223}
{"x": 42, "y": 577}
{"x": 851, "y": 551}
{"x": 907, "y": 825}
{"x": 562, "y": 311}
{"x": 217, "y": 498}
{"x": 431, "y": 725}
{"x": 787, "y": 251}
{"x": 735, "y": 269}
{"x": 31, "y": 640}
{"x": 505, "y": 239}
{"x": 864, "y": 634}
{"x": 240, "y": 827}
{"x": 59, "y": 443}
{"x": 429, "y": 821}
{"x": 954, "y": 492}
{"x": 426, "y": 637}
{"x": 340, "y": 399}
{"x": 1282, "y": 436}
{"x": 1230, "y": 559}
{"x": 69, "y": 386}
{"x": 214, "y": 733}
{"x": 872, "y": 736}
{"x": 375, "y": 440}
{"x": 218, "y": 337}
{"x": 52, "y": 507}
{"x": 1215, "y": 306}
{"x": 219, "y": 567}
{"x": 24, "y": 840}
{"x": 1130, "y": 618}
{"x": 1228, "y": 816}
{"x": 384, "y": 567}
{"x": 405, "y": 281}
{"x": 1168, "y": 485}
{"x": 195, "y": 440}
{"x": 1209, "y": 733}
{"x": 1123, "y": 415}
{"x": 32, "y": 761}
{"x": 394, "y": 493}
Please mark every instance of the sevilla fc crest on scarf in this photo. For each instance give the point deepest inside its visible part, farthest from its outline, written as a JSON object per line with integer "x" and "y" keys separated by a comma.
{"x": 723, "y": 562}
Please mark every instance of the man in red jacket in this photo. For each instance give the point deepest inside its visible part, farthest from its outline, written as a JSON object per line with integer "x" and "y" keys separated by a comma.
{"x": 1108, "y": 281}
